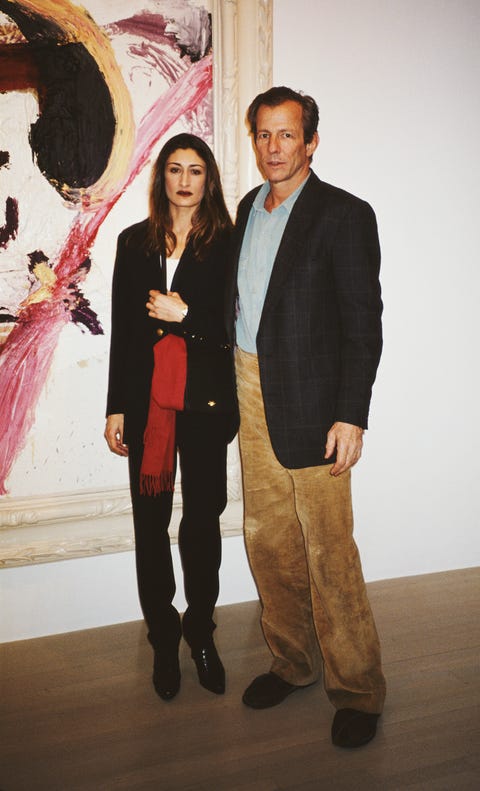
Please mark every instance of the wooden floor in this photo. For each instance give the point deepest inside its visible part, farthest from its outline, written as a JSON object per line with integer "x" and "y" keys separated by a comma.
{"x": 78, "y": 712}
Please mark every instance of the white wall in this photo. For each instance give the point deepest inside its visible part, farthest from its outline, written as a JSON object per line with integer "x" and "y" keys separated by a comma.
{"x": 397, "y": 85}
{"x": 51, "y": 598}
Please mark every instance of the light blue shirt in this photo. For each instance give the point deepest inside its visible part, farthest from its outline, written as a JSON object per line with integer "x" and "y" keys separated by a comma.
{"x": 261, "y": 241}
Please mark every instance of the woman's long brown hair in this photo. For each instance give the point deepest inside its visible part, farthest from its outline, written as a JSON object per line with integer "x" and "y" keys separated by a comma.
{"x": 211, "y": 217}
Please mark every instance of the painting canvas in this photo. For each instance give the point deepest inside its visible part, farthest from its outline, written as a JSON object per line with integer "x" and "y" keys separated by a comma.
{"x": 88, "y": 93}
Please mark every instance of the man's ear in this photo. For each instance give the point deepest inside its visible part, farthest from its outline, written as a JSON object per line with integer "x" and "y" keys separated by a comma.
{"x": 312, "y": 145}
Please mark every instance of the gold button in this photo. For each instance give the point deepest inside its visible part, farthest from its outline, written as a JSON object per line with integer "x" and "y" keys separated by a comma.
{"x": 160, "y": 332}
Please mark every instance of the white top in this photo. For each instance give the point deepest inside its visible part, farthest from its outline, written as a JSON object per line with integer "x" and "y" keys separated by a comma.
{"x": 172, "y": 264}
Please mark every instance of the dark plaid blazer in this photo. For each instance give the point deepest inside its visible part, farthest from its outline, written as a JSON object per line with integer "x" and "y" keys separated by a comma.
{"x": 320, "y": 338}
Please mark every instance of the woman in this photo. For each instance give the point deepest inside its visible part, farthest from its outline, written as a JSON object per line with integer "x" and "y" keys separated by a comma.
{"x": 167, "y": 299}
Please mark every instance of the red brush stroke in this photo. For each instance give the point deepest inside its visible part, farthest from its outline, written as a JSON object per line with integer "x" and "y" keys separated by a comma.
{"x": 27, "y": 354}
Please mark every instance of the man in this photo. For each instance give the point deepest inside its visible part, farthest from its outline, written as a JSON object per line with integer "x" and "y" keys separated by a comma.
{"x": 308, "y": 335}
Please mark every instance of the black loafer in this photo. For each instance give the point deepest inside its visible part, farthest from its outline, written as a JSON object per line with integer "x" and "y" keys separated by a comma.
{"x": 166, "y": 675}
{"x": 351, "y": 728}
{"x": 267, "y": 690}
{"x": 211, "y": 672}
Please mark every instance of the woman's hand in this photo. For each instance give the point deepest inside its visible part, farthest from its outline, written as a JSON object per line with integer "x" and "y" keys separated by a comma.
{"x": 168, "y": 307}
{"x": 114, "y": 435}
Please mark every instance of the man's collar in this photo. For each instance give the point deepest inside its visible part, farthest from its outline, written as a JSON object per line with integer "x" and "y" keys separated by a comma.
{"x": 287, "y": 204}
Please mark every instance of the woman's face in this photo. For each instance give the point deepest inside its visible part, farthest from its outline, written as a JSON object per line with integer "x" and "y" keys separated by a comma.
{"x": 185, "y": 177}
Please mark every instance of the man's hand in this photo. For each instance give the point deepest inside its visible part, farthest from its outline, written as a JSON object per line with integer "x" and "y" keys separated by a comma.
{"x": 114, "y": 435}
{"x": 347, "y": 439}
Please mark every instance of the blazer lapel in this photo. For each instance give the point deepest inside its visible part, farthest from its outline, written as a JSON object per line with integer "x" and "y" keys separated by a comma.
{"x": 231, "y": 289}
{"x": 292, "y": 245}
{"x": 240, "y": 228}
{"x": 157, "y": 271}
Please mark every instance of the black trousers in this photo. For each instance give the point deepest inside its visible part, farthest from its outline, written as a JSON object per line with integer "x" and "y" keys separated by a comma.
{"x": 201, "y": 441}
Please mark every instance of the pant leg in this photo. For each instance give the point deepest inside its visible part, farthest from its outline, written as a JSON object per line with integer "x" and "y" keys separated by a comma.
{"x": 298, "y": 532}
{"x": 343, "y": 618}
{"x": 274, "y": 539}
{"x": 155, "y": 575}
{"x": 202, "y": 445}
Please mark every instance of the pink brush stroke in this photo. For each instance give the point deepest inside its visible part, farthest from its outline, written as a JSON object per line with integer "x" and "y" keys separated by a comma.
{"x": 27, "y": 354}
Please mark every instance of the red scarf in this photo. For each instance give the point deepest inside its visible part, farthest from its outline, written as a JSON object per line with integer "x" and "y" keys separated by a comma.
{"x": 166, "y": 397}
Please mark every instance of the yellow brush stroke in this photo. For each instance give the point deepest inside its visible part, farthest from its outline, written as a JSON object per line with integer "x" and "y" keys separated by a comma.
{"x": 78, "y": 26}
{"x": 47, "y": 279}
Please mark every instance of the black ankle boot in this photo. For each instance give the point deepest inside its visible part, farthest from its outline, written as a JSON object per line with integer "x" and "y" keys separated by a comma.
{"x": 211, "y": 672}
{"x": 166, "y": 674}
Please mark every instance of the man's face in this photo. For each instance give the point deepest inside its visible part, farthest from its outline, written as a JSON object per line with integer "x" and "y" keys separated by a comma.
{"x": 282, "y": 155}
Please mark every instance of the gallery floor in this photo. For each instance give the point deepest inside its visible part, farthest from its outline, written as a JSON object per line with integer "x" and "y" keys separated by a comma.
{"x": 78, "y": 712}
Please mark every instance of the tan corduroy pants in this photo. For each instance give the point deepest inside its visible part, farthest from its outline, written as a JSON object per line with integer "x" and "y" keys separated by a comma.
{"x": 299, "y": 540}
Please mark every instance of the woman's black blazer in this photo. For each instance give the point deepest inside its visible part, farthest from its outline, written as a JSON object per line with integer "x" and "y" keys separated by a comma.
{"x": 201, "y": 284}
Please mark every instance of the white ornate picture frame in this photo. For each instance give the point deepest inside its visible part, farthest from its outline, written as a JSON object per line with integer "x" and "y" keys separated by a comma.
{"x": 99, "y": 521}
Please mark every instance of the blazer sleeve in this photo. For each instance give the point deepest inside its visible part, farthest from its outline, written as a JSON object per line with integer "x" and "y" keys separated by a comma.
{"x": 117, "y": 385}
{"x": 356, "y": 265}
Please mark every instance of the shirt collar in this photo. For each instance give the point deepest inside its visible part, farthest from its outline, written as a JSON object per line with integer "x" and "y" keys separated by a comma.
{"x": 288, "y": 203}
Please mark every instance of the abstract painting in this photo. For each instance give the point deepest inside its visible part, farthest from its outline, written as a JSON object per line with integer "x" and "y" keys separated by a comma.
{"x": 87, "y": 93}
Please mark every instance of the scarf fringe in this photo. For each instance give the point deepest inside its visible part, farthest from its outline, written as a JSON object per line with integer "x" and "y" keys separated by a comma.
{"x": 153, "y": 485}
{"x": 166, "y": 397}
